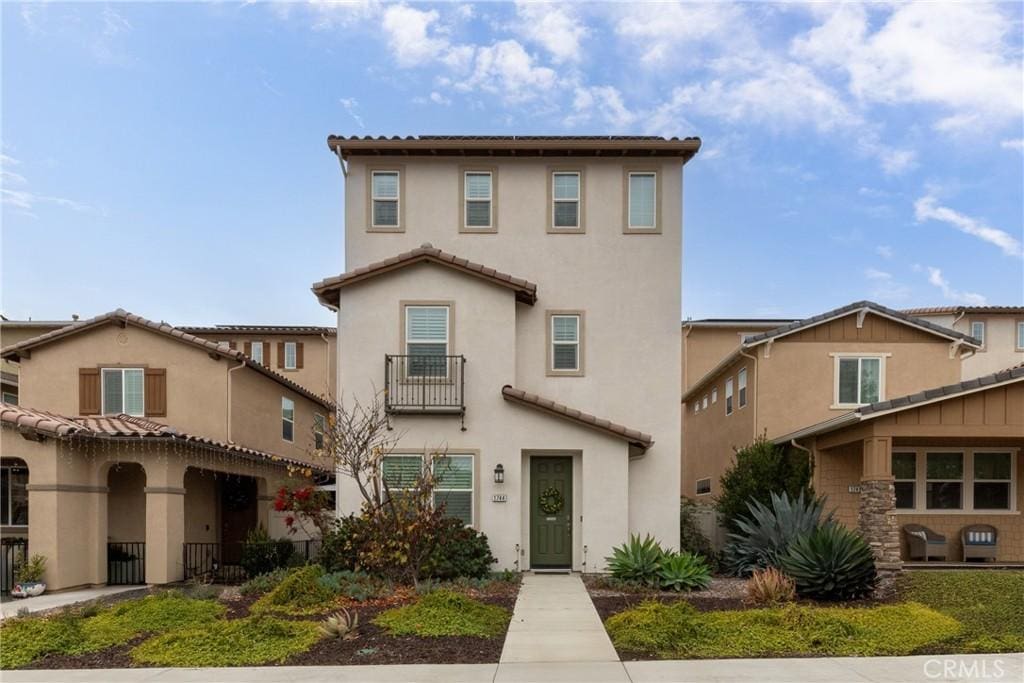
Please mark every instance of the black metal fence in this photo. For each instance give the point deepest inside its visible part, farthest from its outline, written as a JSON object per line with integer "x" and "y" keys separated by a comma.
{"x": 13, "y": 551}
{"x": 225, "y": 562}
{"x": 425, "y": 384}
{"x": 126, "y": 563}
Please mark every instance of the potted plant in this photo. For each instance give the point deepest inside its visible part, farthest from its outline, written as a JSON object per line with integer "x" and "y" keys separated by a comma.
{"x": 29, "y": 578}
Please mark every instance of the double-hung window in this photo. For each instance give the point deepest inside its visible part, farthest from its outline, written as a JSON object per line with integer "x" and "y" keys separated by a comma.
{"x": 256, "y": 348}
{"x": 291, "y": 355}
{"x": 13, "y": 495}
{"x": 124, "y": 391}
{"x": 944, "y": 481}
{"x": 385, "y": 198}
{"x": 319, "y": 427}
{"x": 714, "y": 395}
{"x": 904, "y": 471}
{"x": 287, "y": 419}
{"x": 427, "y": 340}
{"x": 1020, "y": 335}
{"x": 565, "y": 343}
{"x": 978, "y": 331}
{"x": 565, "y": 200}
{"x": 478, "y": 194}
{"x": 741, "y": 382}
{"x": 859, "y": 380}
{"x": 642, "y": 201}
{"x": 454, "y": 478}
{"x": 993, "y": 480}
{"x": 960, "y": 479}
{"x": 728, "y": 396}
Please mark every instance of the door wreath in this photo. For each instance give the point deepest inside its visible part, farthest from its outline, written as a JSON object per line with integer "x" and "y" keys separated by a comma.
{"x": 551, "y": 501}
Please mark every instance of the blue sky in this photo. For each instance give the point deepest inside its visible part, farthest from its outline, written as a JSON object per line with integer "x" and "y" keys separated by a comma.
{"x": 171, "y": 159}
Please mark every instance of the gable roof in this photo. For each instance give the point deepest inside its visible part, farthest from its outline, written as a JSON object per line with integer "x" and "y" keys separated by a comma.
{"x": 121, "y": 316}
{"x": 516, "y": 145}
{"x": 633, "y": 436}
{"x": 953, "y": 310}
{"x": 921, "y": 398}
{"x": 327, "y": 290}
{"x": 41, "y": 423}
{"x": 860, "y": 307}
{"x": 259, "y": 329}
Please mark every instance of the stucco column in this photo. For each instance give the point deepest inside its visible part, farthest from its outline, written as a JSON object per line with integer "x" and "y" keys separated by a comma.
{"x": 165, "y": 519}
{"x": 877, "y": 513}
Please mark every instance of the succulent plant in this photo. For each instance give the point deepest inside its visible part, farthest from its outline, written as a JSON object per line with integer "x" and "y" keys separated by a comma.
{"x": 343, "y": 625}
{"x": 765, "y": 534}
{"x": 683, "y": 572}
{"x": 770, "y": 587}
{"x": 831, "y": 563}
{"x": 637, "y": 561}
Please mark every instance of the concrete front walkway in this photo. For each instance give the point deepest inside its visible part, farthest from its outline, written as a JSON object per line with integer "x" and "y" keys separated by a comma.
{"x": 47, "y": 601}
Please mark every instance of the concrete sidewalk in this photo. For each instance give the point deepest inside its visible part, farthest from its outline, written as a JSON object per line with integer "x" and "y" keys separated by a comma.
{"x": 926, "y": 669}
{"x": 48, "y": 601}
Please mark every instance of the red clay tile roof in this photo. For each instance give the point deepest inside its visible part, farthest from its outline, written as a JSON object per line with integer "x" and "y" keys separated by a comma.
{"x": 633, "y": 436}
{"x": 517, "y": 145}
{"x": 327, "y": 290}
{"x": 259, "y": 329}
{"x": 948, "y": 310}
{"x": 15, "y": 351}
{"x": 123, "y": 427}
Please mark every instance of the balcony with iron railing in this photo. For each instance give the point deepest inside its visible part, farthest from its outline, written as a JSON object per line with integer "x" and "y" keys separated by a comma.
{"x": 425, "y": 385}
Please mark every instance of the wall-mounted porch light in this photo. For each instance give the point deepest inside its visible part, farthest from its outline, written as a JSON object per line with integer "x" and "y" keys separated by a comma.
{"x": 499, "y": 474}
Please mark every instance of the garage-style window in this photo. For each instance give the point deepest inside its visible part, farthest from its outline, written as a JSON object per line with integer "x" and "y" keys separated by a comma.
{"x": 124, "y": 391}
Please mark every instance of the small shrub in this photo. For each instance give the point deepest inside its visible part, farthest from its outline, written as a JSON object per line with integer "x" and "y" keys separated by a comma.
{"x": 236, "y": 642}
{"x": 761, "y": 469}
{"x": 152, "y": 614}
{"x": 831, "y": 563}
{"x": 683, "y": 572}
{"x": 445, "y": 613}
{"x": 25, "y": 639}
{"x": 30, "y": 570}
{"x": 653, "y": 627}
{"x": 637, "y": 561}
{"x": 763, "y": 536}
{"x": 343, "y": 625}
{"x": 459, "y": 551}
{"x": 263, "y": 583}
{"x": 261, "y": 554}
{"x": 691, "y": 539}
{"x": 299, "y": 593}
{"x": 355, "y": 585}
{"x": 767, "y": 587}
{"x": 338, "y": 547}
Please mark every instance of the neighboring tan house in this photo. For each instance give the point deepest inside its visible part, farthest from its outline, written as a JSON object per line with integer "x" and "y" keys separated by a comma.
{"x": 706, "y": 342}
{"x": 1000, "y": 329}
{"x": 305, "y": 354}
{"x": 518, "y": 299}
{"x": 12, "y": 332}
{"x": 141, "y": 439}
{"x": 805, "y": 372}
{"x": 946, "y": 458}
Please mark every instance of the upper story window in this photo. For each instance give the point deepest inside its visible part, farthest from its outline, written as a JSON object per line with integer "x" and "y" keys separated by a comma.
{"x": 728, "y": 396}
{"x": 642, "y": 201}
{"x": 565, "y": 334}
{"x": 714, "y": 395}
{"x": 427, "y": 340}
{"x": 704, "y": 403}
{"x": 1020, "y": 335}
{"x": 14, "y": 495}
{"x": 9, "y": 397}
{"x": 741, "y": 382}
{"x": 385, "y": 199}
{"x": 256, "y": 352}
{"x": 978, "y": 331}
{"x": 291, "y": 355}
{"x": 287, "y": 419}
{"x": 478, "y": 201}
{"x": 859, "y": 380}
{"x": 319, "y": 428}
{"x": 566, "y": 196}
{"x": 124, "y": 391}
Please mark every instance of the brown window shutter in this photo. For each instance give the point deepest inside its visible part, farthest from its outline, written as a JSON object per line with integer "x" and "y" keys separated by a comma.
{"x": 298, "y": 355}
{"x": 156, "y": 392}
{"x": 89, "y": 391}
{"x": 266, "y": 353}
{"x": 232, "y": 345}
{"x": 280, "y": 354}
{"x": 248, "y": 349}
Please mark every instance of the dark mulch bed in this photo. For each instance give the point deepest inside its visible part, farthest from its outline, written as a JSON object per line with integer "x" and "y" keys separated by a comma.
{"x": 111, "y": 658}
{"x": 373, "y": 646}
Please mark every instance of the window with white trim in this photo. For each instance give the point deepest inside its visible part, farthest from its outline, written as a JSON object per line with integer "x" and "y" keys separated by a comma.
{"x": 904, "y": 472}
{"x": 13, "y": 495}
{"x": 741, "y": 382}
{"x": 124, "y": 391}
{"x": 287, "y": 419}
{"x": 290, "y": 355}
{"x": 426, "y": 340}
{"x": 714, "y": 395}
{"x": 992, "y": 483}
{"x": 565, "y": 342}
{"x": 454, "y": 480}
{"x": 859, "y": 380}
{"x": 1020, "y": 335}
{"x": 643, "y": 191}
{"x": 936, "y": 480}
{"x": 385, "y": 198}
{"x": 478, "y": 189}
{"x": 703, "y": 486}
{"x": 319, "y": 428}
{"x": 978, "y": 331}
{"x": 944, "y": 482}
{"x": 704, "y": 403}
{"x": 565, "y": 199}
{"x": 10, "y": 398}
{"x": 256, "y": 349}
{"x": 728, "y": 396}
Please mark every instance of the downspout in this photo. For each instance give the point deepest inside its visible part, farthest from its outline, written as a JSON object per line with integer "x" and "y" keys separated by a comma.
{"x": 327, "y": 360}
{"x": 341, "y": 161}
{"x": 810, "y": 455}
{"x": 241, "y": 364}
{"x": 757, "y": 384}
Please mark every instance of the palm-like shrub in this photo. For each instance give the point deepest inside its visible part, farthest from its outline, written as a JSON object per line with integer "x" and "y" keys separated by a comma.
{"x": 770, "y": 587}
{"x": 683, "y": 572}
{"x": 765, "y": 534}
{"x": 830, "y": 563}
{"x": 637, "y": 561}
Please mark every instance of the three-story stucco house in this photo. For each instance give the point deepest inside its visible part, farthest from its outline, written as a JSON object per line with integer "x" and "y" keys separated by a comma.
{"x": 518, "y": 299}
{"x": 1000, "y": 329}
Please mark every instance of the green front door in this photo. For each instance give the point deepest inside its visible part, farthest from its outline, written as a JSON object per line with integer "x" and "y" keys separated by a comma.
{"x": 550, "y": 512}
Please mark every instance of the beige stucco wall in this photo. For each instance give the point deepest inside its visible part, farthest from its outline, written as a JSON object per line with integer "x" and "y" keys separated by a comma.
{"x": 1000, "y": 351}
{"x": 126, "y": 503}
{"x": 202, "y": 512}
{"x": 704, "y": 346}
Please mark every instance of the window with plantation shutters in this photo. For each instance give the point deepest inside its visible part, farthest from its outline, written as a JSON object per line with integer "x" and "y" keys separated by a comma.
{"x": 427, "y": 340}
{"x": 564, "y": 332}
{"x": 565, "y": 200}
{"x": 385, "y": 198}
{"x": 478, "y": 194}
{"x": 454, "y": 487}
{"x": 642, "y": 200}
{"x": 401, "y": 472}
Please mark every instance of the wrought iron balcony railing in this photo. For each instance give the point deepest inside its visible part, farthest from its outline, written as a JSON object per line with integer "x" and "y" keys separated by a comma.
{"x": 425, "y": 384}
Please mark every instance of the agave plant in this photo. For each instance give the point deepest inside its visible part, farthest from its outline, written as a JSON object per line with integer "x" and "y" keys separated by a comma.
{"x": 765, "y": 534}
{"x": 637, "y": 561}
{"x": 770, "y": 587}
{"x": 683, "y": 572}
{"x": 343, "y": 625}
{"x": 831, "y": 563}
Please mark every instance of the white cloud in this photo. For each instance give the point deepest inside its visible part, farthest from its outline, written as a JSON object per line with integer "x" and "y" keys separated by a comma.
{"x": 6, "y": 174}
{"x": 554, "y": 27}
{"x": 969, "y": 298}
{"x": 1017, "y": 144}
{"x": 606, "y": 102}
{"x": 26, "y": 202}
{"x": 884, "y": 286}
{"x": 409, "y": 35}
{"x": 438, "y": 98}
{"x": 351, "y": 105}
{"x": 663, "y": 31}
{"x": 884, "y": 250}
{"x": 508, "y": 70}
{"x": 927, "y": 208}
